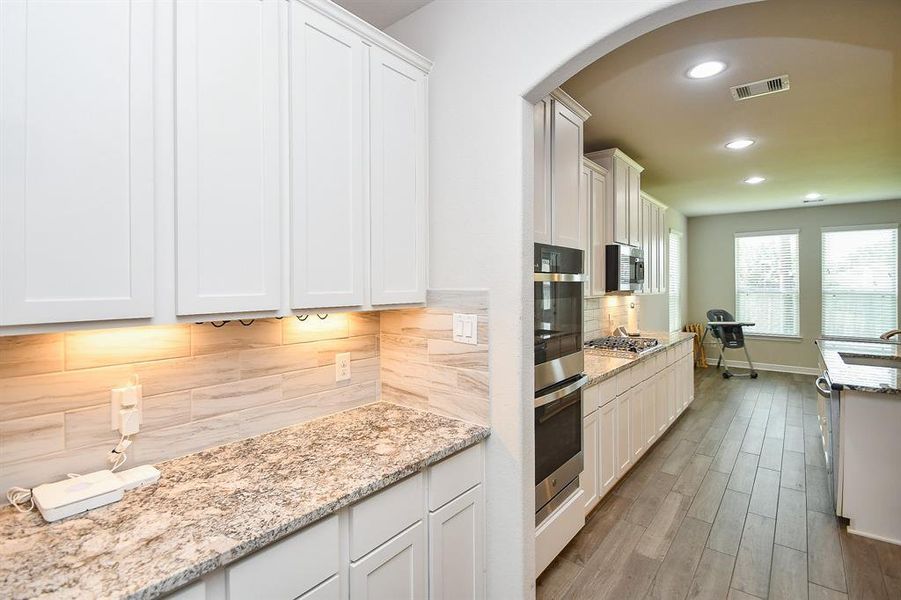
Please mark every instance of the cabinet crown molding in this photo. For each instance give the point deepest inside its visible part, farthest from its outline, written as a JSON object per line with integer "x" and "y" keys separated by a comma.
{"x": 610, "y": 153}
{"x": 590, "y": 164}
{"x": 654, "y": 200}
{"x": 370, "y": 33}
{"x": 569, "y": 102}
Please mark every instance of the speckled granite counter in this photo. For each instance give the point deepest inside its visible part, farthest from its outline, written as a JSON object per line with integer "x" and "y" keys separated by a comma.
{"x": 862, "y": 378}
{"x": 601, "y": 365}
{"x": 218, "y": 505}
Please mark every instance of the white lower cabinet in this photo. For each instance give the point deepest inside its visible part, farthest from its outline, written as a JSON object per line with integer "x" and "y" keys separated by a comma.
{"x": 393, "y": 571}
{"x": 588, "y": 480}
{"x": 634, "y": 409}
{"x": 457, "y": 548}
{"x": 388, "y": 546}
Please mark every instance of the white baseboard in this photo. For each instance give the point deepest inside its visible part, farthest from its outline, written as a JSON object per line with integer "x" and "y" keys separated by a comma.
{"x": 873, "y": 536}
{"x": 740, "y": 364}
{"x": 713, "y": 352}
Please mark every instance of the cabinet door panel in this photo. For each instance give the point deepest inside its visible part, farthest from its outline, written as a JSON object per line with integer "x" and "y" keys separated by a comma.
{"x": 620, "y": 201}
{"x": 327, "y": 209}
{"x": 227, "y": 136}
{"x": 661, "y": 250}
{"x": 634, "y": 206}
{"x": 588, "y": 479}
{"x": 645, "y": 229}
{"x": 597, "y": 243}
{"x": 566, "y": 161}
{"x": 398, "y": 180}
{"x": 648, "y": 408}
{"x": 394, "y": 571}
{"x": 76, "y": 160}
{"x": 636, "y": 424}
{"x": 623, "y": 443}
{"x": 456, "y": 549}
{"x": 607, "y": 471}
{"x": 585, "y": 224}
{"x": 542, "y": 208}
{"x": 660, "y": 397}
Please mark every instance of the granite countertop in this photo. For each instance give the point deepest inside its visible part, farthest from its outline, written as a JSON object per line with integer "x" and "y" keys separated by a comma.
{"x": 862, "y": 378}
{"x": 215, "y": 506}
{"x": 602, "y": 364}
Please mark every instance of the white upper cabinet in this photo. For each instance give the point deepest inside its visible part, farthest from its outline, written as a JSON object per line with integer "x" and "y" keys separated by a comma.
{"x": 595, "y": 183}
{"x": 228, "y": 162}
{"x": 560, "y": 211}
{"x": 542, "y": 191}
{"x": 566, "y": 160}
{"x": 76, "y": 161}
{"x": 398, "y": 186}
{"x": 652, "y": 243}
{"x": 623, "y": 213}
{"x": 328, "y": 244}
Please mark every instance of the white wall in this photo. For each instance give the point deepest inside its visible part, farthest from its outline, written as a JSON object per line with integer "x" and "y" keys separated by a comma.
{"x": 492, "y": 61}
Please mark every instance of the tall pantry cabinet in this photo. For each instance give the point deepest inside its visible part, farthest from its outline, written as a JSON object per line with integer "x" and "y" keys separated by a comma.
{"x": 197, "y": 159}
{"x": 559, "y": 205}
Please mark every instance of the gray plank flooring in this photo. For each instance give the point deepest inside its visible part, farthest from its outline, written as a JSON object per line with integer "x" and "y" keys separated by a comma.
{"x": 731, "y": 503}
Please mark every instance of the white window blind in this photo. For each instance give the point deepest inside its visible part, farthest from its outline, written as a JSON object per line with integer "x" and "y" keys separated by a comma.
{"x": 766, "y": 282}
{"x": 860, "y": 281}
{"x": 675, "y": 281}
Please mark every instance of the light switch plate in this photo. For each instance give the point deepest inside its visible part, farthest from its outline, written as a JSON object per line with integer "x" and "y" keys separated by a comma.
{"x": 466, "y": 328}
{"x": 342, "y": 366}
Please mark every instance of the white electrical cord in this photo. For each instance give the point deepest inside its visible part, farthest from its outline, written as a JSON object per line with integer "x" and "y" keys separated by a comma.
{"x": 18, "y": 497}
{"x": 117, "y": 456}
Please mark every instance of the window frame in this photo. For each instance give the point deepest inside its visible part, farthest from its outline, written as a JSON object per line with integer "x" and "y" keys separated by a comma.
{"x": 669, "y": 290}
{"x": 862, "y": 227}
{"x": 764, "y": 233}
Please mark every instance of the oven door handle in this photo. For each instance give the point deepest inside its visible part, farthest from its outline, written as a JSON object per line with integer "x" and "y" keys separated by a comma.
{"x": 557, "y": 394}
{"x": 825, "y": 392}
{"x": 560, "y": 277}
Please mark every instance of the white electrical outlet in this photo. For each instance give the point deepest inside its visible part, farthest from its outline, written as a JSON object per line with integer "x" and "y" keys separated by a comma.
{"x": 126, "y": 409}
{"x": 466, "y": 328}
{"x": 342, "y": 366}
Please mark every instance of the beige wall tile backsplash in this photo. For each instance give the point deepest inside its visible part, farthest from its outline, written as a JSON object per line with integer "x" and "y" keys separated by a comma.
{"x": 421, "y": 365}
{"x": 603, "y": 315}
{"x": 204, "y": 386}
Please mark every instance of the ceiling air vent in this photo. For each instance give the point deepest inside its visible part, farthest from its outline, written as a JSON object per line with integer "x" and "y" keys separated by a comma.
{"x": 760, "y": 88}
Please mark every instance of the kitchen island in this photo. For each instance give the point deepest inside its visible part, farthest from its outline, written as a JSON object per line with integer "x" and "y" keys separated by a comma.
{"x": 859, "y": 413}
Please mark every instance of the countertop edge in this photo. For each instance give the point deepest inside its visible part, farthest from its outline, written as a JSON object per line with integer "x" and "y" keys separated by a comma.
{"x": 595, "y": 379}
{"x": 190, "y": 574}
{"x": 841, "y": 378}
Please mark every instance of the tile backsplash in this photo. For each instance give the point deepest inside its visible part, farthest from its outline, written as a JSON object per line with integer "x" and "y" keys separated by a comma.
{"x": 603, "y": 315}
{"x": 422, "y": 367}
{"x": 204, "y": 386}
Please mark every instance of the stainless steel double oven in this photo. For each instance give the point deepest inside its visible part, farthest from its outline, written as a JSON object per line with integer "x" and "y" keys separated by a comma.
{"x": 559, "y": 376}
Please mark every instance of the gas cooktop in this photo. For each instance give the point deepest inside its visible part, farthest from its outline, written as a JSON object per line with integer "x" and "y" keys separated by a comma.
{"x": 629, "y": 346}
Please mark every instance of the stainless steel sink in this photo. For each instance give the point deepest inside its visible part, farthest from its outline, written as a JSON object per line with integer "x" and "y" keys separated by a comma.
{"x": 871, "y": 360}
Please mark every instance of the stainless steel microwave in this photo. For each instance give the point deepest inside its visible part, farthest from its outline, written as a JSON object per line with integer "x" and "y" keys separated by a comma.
{"x": 624, "y": 268}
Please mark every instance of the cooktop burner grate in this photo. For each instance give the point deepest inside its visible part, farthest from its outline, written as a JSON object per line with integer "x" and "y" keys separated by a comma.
{"x": 632, "y": 345}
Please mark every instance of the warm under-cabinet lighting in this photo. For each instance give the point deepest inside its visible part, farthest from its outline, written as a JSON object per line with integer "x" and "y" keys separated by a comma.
{"x": 706, "y": 69}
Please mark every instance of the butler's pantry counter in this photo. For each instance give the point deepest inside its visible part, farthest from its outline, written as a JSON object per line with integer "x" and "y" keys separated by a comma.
{"x": 279, "y": 496}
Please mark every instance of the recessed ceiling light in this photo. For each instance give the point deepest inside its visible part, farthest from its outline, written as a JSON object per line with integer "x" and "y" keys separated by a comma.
{"x": 706, "y": 69}
{"x": 814, "y": 196}
{"x": 739, "y": 144}
{"x": 755, "y": 180}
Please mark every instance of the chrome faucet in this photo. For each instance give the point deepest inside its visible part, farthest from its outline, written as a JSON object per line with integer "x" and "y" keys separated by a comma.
{"x": 890, "y": 333}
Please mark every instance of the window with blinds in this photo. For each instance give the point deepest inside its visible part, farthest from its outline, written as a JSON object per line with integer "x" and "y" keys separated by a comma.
{"x": 860, "y": 280}
{"x": 766, "y": 282}
{"x": 675, "y": 281}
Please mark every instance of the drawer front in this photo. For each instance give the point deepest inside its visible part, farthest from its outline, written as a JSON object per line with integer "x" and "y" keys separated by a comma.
{"x": 327, "y": 590}
{"x": 606, "y": 391}
{"x": 590, "y": 397}
{"x": 290, "y": 567}
{"x": 454, "y": 475}
{"x": 380, "y": 517}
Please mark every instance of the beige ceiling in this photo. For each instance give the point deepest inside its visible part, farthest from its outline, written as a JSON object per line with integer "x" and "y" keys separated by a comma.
{"x": 382, "y": 13}
{"x": 837, "y": 131}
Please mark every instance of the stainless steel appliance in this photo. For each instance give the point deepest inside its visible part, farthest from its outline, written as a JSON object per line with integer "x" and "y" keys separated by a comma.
{"x": 629, "y": 347}
{"x": 830, "y": 423}
{"x": 559, "y": 379}
{"x": 624, "y": 268}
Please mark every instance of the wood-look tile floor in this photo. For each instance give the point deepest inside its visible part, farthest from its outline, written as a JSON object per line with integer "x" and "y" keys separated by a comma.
{"x": 731, "y": 503}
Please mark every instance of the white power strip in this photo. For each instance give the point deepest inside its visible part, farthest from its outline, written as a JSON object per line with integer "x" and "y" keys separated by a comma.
{"x": 79, "y": 494}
